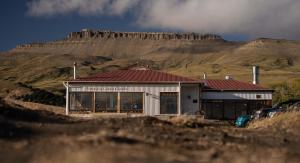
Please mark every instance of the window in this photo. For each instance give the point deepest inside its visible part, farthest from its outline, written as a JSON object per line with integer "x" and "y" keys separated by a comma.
{"x": 106, "y": 102}
{"x": 131, "y": 102}
{"x": 241, "y": 108}
{"x": 168, "y": 103}
{"x": 258, "y": 96}
{"x": 81, "y": 101}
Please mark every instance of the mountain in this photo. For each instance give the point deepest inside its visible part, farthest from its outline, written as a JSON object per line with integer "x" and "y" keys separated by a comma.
{"x": 45, "y": 65}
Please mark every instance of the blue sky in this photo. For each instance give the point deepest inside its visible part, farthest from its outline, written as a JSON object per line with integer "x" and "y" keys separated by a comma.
{"x": 43, "y": 20}
{"x": 18, "y": 27}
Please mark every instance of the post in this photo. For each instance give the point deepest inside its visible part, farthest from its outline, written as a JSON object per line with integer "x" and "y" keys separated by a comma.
{"x": 119, "y": 103}
{"x": 74, "y": 70}
{"x": 94, "y": 102}
{"x": 144, "y": 103}
{"x": 255, "y": 72}
{"x": 199, "y": 98}
{"x": 67, "y": 98}
{"x": 179, "y": 99}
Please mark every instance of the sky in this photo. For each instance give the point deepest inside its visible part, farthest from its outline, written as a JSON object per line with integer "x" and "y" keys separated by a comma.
{"x": 25, "y": 21}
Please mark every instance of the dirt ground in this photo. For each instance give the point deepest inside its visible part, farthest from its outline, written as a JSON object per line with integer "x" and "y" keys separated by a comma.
{"x": 43, "y": 136}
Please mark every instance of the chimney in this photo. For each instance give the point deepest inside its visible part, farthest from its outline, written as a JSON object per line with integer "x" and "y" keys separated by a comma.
{"x": 74, "y": 75}
{"x": 204, "y": 76}
{"x": 228, "y": 77}
{"x": 255, "y": 70}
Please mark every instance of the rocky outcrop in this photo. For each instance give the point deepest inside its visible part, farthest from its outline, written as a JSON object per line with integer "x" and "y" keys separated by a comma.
{"x": 86, "y": 33}
{"x": 77, "y": 38}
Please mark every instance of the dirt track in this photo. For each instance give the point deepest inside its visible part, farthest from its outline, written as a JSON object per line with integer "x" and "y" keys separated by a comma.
{"x": 41, "y": 136}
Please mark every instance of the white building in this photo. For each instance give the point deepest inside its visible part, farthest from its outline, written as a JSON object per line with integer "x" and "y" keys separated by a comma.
{"x": 151, "y": 93}
{"x": 146, "y": 92}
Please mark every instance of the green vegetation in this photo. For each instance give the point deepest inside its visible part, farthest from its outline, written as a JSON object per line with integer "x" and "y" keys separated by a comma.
{"x": 287, "y": 90}
{"x": 41, "y": 96}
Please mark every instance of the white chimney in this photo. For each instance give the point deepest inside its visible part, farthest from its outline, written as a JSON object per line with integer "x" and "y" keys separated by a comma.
{"x": 74, "y": 75}
{"x": 204, "y": 76}
{"x": 255, "y": 72}
{"x": 228, "y": 77}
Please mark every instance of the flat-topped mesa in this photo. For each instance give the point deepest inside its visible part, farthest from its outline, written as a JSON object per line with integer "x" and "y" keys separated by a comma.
{"x": 76, "y": 38}
{"x": 106, "y": 34}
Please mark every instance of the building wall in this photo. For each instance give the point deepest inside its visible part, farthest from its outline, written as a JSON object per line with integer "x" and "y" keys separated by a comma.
{"x": 237, "y": 95}
{"x": 189, "y": 96}
{"x": 230, "y": 105}
{"x": 190, "y": 99}
{"x": 231, "y": 109}
{"x": 151, "y": 92}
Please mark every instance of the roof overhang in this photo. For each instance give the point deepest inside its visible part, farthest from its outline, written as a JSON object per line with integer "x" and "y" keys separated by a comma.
{"x": 135, "y": 82}
{"x": 239, "y": 90}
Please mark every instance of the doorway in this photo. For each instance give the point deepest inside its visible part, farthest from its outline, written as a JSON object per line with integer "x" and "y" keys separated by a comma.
{"x": 169, "y": 103}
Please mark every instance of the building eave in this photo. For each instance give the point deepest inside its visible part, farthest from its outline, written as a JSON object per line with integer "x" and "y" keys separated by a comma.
{"x": 136, "y": 82}
{"x": 238, "y": 90}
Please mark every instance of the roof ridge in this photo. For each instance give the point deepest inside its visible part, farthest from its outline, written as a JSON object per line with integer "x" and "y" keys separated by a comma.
{"x": 139, "y": 76}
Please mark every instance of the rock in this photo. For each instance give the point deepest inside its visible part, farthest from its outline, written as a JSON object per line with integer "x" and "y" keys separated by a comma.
{"x": 102, "y": 34}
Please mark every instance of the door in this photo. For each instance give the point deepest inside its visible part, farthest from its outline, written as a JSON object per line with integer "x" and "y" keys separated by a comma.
{"x": 213, "y": 109}
{"x": 217, "y": 110}
{"x": 169, "y": 103}
{"x": 229, "y": 110}
{"x": 189, "y": 99}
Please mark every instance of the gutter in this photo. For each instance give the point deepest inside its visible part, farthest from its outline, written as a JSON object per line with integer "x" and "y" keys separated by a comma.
{"x": 136, "y": 82}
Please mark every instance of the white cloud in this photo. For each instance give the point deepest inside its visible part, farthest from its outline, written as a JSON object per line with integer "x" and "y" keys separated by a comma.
{"x": 83, "y": 7}
{"x": 257, "y": 18}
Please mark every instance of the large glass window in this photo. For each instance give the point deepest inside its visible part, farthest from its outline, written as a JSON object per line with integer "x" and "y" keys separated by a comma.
{"x": 106, "y": 102}
{"x": 241, "y": 108}
{"x": 229, "y": 110}
{"x": 81, "y": 101}
{"x": 131, "y": 102}
{"x": 168, "y": 103}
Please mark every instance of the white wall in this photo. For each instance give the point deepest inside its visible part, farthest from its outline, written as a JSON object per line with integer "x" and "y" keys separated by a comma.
{"x": 151, "y": 92}
{"x": 187, "y": 105}
{"x": 236, "y": 95}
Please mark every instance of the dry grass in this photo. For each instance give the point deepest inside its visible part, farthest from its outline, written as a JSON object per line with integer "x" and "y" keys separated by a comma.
{"x": 289, "y": 121}
{"x": 41, "y": 67}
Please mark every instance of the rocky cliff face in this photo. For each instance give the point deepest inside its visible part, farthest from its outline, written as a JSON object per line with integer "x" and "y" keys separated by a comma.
{"x": 86, "y": 33}
{"x": 98, "y": 35}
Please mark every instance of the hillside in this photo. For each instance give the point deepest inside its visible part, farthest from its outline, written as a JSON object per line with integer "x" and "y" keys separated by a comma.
{"x": 46, "y": 65}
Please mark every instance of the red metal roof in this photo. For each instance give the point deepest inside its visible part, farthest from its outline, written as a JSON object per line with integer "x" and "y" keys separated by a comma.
{"x": 152, "y": 76}
{"x": 136, "y": 76}
{"x": 214, "y": 84}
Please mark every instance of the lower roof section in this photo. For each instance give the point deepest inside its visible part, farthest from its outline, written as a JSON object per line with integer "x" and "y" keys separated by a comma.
{"x": 214, "y": 85}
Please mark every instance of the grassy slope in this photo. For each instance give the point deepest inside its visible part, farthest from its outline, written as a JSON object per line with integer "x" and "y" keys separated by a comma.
{"x": 278, "y": 61}
{"x": 47, "y": 67}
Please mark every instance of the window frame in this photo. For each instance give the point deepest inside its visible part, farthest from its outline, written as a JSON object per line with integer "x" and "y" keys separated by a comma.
{"x": 76, "y": 106}
{"x": 106, "y": 110}
{"x": 132, "y": 110}
{"x": 177, "y": 103}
